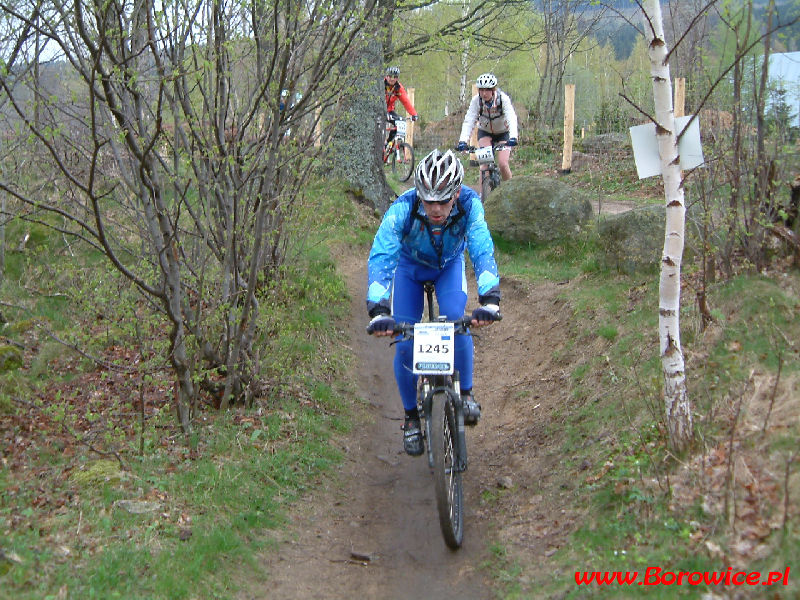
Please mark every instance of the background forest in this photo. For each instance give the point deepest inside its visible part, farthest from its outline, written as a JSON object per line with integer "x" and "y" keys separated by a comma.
{"x": 596, "y": 46}
{"x": 178, "y": 180}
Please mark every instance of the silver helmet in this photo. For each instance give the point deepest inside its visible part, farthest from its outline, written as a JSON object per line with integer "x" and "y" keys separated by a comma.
{"x": 486, "y": 81}
{"x": 393, "y": 71}
{"x": 438, "y": 176}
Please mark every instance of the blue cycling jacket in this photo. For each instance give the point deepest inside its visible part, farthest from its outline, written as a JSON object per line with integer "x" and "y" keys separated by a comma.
{"x": 410, "y": 235}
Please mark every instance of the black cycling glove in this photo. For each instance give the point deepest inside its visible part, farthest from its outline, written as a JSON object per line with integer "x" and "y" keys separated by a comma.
{"x": 381, "y": 323}
{"x": 487, "y": 312}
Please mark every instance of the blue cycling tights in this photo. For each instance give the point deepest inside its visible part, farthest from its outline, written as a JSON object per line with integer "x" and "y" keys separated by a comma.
{"x": 407, "y": 305}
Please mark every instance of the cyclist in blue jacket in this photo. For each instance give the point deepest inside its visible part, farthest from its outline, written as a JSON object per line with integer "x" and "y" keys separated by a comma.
{"x": 422, "y": 237}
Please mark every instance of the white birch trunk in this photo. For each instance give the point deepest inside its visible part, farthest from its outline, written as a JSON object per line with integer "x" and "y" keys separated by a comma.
{"x": 462, "y": 90}
{"x": 676, "y": 402}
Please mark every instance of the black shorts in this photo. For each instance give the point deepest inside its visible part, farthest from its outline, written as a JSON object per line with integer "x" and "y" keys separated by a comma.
{"x": 496, "y": 137}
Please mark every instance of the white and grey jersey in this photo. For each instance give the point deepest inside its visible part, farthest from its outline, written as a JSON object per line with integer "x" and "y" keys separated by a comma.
{"x": 500, "y": 117}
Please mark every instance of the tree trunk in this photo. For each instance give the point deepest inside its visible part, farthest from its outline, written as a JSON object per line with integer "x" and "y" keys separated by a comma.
{"x": 360, "y": 130}
{"x": 676, "y": 401}
{"x": 759, "y": 203}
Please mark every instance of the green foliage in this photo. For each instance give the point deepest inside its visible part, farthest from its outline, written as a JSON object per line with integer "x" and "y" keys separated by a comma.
{"x": 610, "y": 117}
{"x": 10, "y": 358}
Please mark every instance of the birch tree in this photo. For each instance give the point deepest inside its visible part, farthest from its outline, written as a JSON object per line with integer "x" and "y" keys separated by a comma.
{"x": 676, "y": 401}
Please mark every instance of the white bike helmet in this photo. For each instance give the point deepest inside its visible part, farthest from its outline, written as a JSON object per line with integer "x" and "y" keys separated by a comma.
{"x": 438, "y": 176}
{"x": 486, "y": 81}
{"x": 393, "y": 71}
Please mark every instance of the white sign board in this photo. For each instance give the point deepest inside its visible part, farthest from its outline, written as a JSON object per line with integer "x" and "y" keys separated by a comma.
{"x": 645, "y": 147}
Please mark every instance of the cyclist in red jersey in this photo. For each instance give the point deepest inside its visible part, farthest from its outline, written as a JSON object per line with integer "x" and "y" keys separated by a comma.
{"x": 394, "y": 92}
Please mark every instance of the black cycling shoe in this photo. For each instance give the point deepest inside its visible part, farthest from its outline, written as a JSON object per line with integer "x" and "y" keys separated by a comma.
{"x": 412, "y": 437}
{"x": 472, "y": 410}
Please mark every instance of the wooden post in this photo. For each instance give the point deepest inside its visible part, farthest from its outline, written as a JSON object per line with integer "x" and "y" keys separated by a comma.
{"x": 410, "y": 124}
{"x": 317, "y": 127}
{"x": 569, "y": 125}
{"x": 680, "y": 96}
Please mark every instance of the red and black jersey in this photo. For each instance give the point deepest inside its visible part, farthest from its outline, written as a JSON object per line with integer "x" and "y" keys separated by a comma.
{"x": 397, "y": 92}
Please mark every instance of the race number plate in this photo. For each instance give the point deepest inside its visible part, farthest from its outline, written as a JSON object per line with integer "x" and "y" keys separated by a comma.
{"x": 434, "y": 349}
{"x": 484, "y": 155}
{"x": 401, "y": 128}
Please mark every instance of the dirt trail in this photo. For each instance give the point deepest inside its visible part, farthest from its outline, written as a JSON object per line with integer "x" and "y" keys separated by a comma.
{"x": 374, "y": 532}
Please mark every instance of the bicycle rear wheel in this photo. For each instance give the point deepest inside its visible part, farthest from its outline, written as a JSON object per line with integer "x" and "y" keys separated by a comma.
{"x": 403, "y": 161}
{"x": 449, "y": 490}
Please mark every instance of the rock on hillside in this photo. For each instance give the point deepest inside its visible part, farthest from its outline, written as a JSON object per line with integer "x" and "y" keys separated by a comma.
{"x": 633, "y": 240}
{"x": 532, "y": 209}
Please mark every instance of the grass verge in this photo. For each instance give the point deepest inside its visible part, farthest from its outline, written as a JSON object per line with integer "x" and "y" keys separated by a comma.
{"x": 726, "y": 506}
{"x": 100, "y": 497}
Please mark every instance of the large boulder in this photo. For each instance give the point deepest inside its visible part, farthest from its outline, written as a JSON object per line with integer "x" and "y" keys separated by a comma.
{"x": 532, "y": 209}
{"x": 633, "y": 240}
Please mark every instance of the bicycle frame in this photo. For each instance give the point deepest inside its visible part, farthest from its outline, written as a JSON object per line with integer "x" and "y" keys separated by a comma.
{"x": 400, "y": 136}
{"x": 397, "y": 152}
{"x": 488, "y": 165}
{"x": 431, "y": 385}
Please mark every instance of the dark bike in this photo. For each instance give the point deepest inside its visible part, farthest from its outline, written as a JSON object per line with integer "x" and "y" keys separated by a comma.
{"x": 397, "y": 153}
{"x": 490, "y": 176}
{"x": 442, "y": 412}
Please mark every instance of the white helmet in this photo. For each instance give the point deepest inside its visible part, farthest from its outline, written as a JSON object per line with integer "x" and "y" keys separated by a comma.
{"x": 438, "y": 176}
{"x": 486, "y": 81}
{"x": 393, "y": 71}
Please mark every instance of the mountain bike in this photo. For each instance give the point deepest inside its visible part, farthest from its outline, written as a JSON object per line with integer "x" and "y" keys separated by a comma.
{"x": 397, "y": 153}
{"x": 490, "y": 176}
{"x": 441, "y": 411}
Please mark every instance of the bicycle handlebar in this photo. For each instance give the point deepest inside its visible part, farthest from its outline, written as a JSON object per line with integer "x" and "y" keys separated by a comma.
{"x": 461, "y": 326}
{"x": 502, "y": 146}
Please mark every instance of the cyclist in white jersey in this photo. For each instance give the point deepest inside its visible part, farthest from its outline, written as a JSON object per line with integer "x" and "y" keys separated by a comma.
{"x": 492, "y": 111}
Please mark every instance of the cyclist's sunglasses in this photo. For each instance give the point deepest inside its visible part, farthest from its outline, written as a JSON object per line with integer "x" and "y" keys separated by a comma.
{"x": 450, "y": 199}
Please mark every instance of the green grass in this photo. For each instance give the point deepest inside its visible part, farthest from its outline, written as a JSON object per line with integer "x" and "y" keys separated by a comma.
{"x": 215, "y": 498}
{"x": 615, "y": 416}
{"x": 543, "y": 262}
{"x": 241, "y": 483}
{"x": 762, "y": 322}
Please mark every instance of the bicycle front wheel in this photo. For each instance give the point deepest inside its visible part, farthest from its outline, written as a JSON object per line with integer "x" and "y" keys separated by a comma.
{"x": 486, "y": 184}
{"x": 403, "y": 161}
{"x": 449, "y": 491}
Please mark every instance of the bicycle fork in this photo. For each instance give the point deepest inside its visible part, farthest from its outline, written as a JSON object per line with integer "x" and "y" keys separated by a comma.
{"x": 429, "y": 390}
